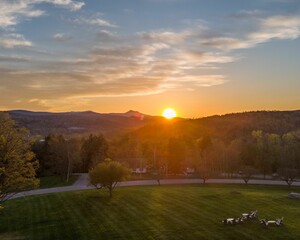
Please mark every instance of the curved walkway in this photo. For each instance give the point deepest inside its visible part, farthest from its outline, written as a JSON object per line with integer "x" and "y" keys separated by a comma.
{"x": 82, "y": 184}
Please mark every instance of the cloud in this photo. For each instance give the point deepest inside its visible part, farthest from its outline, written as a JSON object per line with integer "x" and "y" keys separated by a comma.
{"x": 95, "y": 21}
{"x": 72, "y": 5}
{"x": 13, "y": 12}
{"x": 145, "y": 63}
{"x": 170, "y": 37}
{"x": 13, "y": 59}
{"x": 131, "y": 69}
{"x": 203, "y": 58}
{"x": 228, "y": 43}
{"x": 14, "y": 40}
{"x": 276, "y": 27}
{"x": 54, "y": 86}
{"x": 60, "y": 37}
{"x": 273, "y": 27}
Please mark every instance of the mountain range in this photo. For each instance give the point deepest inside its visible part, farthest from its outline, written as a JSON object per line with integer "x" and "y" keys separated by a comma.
{"x": 226, "y": 127}
{"x": 78, "y": 123}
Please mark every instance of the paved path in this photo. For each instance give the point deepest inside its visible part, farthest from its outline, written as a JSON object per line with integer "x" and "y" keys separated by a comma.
{"x": 82, "y": 184}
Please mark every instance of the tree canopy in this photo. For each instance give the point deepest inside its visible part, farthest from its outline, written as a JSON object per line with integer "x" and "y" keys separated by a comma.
{"x": 17, "y": 163}
{"x": 107, "y": 174}
{"x": 93, "y": 150}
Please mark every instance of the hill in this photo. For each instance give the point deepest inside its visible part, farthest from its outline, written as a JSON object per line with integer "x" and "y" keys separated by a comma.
{"x": 225, "y": 127}
{"x": 80, "y": 123}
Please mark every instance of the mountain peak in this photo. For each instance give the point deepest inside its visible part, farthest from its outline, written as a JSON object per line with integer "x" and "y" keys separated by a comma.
{"x": 136, "y": 114}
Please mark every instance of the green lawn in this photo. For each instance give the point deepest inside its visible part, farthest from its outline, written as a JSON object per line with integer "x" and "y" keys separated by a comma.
{"x": 154, "y": 212}
{"x": 55, "y": 181}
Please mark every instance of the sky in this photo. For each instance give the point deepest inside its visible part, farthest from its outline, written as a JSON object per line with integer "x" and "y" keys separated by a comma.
{"x": 201, "y": 57}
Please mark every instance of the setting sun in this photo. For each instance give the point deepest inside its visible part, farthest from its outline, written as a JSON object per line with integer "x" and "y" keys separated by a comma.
{"x": 169, "y": 113}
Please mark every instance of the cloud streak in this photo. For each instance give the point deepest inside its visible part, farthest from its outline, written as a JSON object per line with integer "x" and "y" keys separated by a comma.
{"x": 13, "y": 12}
{"x": 14, "y": 40}
{"x": 277, "y": 27}
{"x": 96, "y": 21}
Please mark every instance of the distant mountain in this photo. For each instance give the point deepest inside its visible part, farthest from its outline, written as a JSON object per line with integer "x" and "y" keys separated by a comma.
{"x": 226, "y": 127}
{"x": 131, "y": 113}
{"x": 70, "y": 123}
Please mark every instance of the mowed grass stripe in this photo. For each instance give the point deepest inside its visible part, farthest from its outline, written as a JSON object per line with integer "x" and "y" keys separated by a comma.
{"x": 153, "y": 212}
{"x": 80, "y": 216}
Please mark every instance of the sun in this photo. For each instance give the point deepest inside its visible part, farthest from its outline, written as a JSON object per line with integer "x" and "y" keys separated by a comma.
{"x": 169, "y": 113}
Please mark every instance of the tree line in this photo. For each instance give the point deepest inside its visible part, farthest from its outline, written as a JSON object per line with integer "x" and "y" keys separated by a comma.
{"x": 206, "y": 157}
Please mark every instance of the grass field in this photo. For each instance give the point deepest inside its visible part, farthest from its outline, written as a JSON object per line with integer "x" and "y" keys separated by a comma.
{"x": 55, "y": 181}
{"x": 153, "y": 212}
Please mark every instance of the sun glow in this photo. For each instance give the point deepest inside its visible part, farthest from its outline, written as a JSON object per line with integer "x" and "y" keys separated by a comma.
{"x": 169, "y": 113}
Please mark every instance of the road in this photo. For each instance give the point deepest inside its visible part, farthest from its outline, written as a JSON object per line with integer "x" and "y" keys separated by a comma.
{"x": 82, "y": 184}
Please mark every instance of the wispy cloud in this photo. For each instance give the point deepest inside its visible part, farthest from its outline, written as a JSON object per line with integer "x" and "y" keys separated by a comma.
{"x": 61, "y": 37}
{"x": 170, "y": 37}
{"x": 13, "y": 12}
{"x": 278, "y": 27}
{"x": 70, "y": 4}
{"x": 95, "y": 21}
{"x": 14, "y": 40}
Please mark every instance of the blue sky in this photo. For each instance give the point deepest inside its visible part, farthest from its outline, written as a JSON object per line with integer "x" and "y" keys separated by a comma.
{"x": 201, "y": 57}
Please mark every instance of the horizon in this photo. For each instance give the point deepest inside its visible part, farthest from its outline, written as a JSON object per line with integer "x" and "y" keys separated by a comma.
{"x": 62, "y": 56}
{"x": 147, "y": 114}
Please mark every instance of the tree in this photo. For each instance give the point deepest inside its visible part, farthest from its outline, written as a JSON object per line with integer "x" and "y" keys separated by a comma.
{"x": 289, "y": 161}
{"x": 107, "y": 174}
{"x": 53, "y": 156}
{"x": 290, "y": 154}
{"x": 58, "y": 156}
{"x": 274, "y": 147}
{"x": 246, "y": 173}
{"x": 204, "y": 165}
{"x": 127, "y": 149}
{"x": 288, "y": 175}
{"x": 17, "y": 163}
{"x": 93, "y": 150}
{"x": 262, "y": 152}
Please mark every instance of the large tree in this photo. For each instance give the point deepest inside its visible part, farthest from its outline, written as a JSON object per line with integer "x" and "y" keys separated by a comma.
{"x": 58, "y": 155}
{"x": 107, "y": 174}
{"x": 93, "y": 150}
{"x": 17, "y": 163}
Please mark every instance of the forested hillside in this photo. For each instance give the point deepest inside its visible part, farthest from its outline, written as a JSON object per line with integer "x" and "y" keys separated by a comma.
{"x": 226, "y": 127}
{"x": 80, "y": 123}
